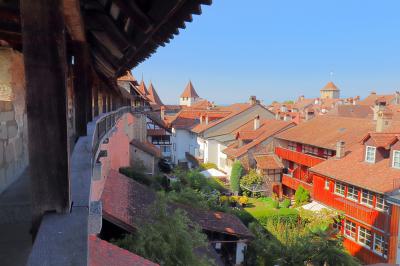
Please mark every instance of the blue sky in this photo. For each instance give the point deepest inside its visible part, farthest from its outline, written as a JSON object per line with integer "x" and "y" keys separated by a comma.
{"x": 278, "y": 50}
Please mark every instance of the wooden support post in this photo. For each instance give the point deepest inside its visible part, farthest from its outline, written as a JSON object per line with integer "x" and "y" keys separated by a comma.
{"x": 96, "y": 99}
{"x": 108, "y": 102}
{"x": 89, "y": 91}
{"x": 43, "y": 36}
{"x": 103, "y": 94}
{"x": 81, "y": 87}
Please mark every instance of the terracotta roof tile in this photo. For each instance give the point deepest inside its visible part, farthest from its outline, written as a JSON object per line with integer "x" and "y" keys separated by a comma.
{"x": 142, "y": 88}
{"x": 352, "y": 169}
{"x": 153, "y": 96}
{"x": 126, "y": 202}
{"x": 330, "y": 86}
{"x": 382, "y": 140}
{"x": 370, "y": 100}
{"x": 326, "y": 131}
{"x": 103, "y": 253}
{"x": 189, "y": 91}
{"x": 127, "y": 77}
{"x": 146, "y": 147}
{"x": 268, "y": 161}
{"x": 268, "y": 128}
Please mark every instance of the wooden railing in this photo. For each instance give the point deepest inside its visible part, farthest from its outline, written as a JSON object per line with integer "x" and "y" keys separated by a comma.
{"x": 294, "y": 183}
{"x": 298, "y": 157}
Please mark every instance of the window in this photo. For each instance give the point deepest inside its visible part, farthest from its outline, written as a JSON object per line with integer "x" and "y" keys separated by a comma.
{"x": 364, "y": 236}
{"x": 326, "y": 184}
{"x": 367, "y": 198}
{"x": 292, "y": 146}
{"x": 328, "y": 153}
{"x": 380, "y": 245}
{"x": 339, "y": 189}
{"x": 350, "y": 229}
{"x": 309, "y": 149}
{"x": 370, "y": 154}
{"x": 381, "y": 203}
{"x": 396, "y": 159}
{"x": 352, "y": 193}
{"x": 337, "y": 224}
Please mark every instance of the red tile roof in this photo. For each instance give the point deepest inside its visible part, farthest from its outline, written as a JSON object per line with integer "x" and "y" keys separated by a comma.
{"x": 330, "y": 86}
{"x": 103, "y": 253}
{"x": 371, "y": 99}
{"x": 153, "y": 96}
{"x": 147, "y": 147}
{"x": 126, "y": 202}
{"x": 381, "y": 139}
{"x": 127, "y": 77}
{"x": 352, "y": 169}
{"x": 142, "y": 88}
{"x": 189, "y": 91}
{"x": 326, "y": 131}
{"x": 267, "y": 129}
{"x": 268, "y": 161}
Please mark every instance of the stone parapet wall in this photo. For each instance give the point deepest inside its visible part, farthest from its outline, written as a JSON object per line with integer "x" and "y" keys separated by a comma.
{"x": 13, "y": 118}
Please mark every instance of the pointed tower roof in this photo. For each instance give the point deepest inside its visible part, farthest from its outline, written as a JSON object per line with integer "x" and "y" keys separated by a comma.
{"x": 127, "y": 77}
{"x": 330, "y": 86}
{"x": 153, "y": 96}
{"x": 189, "y": 91}
{"x": 142, "y": 88}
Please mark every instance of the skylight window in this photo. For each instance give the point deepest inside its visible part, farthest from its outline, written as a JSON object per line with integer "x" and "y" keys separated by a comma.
{"x": 370, "y": 154}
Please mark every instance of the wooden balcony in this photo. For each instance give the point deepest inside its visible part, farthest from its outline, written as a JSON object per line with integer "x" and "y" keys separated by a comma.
{"x": 298, "y": 157}
{"x": 294, "y": 183}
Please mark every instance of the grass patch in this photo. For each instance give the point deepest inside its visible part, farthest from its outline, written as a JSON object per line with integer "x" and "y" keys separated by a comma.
{"x": 262, "y": 209}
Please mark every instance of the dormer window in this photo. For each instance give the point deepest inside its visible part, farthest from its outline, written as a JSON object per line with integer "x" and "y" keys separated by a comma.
{"x": 396, "y": 159}
{"x": 370, "y": 154}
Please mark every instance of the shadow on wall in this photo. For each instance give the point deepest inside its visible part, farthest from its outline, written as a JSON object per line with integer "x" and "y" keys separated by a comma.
{"x": 13, "y": 118}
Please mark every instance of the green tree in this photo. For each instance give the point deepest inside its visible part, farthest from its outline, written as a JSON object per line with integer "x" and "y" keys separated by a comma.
{"x": 301, "y": 196}
{"x": 236, "y": 173}
{"x": 251, "y": 180}
{"x": 169, "y": 239}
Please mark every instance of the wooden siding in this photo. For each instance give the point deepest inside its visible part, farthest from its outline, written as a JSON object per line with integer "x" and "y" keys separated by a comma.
{"x": 298, "y": 157}
{"x": 356, "y": 210}
{"x": 365, "y": 255}
{"x": 294, "y": 183}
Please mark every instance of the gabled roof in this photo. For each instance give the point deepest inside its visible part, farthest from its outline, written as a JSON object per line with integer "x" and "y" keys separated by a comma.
{"x": 189, "y": 91}
{"x": 373, "y": 97}
{"x": 147, "y": 147}
{"x": 126, "y": 203}
{"x": 268, "y": 128}
{"x": 127, "y": 77}
{"x": 104, "y": 253}
{"x": 153, "y": 96}
{"x": 142, "y": 88}
{"x": 381, "y": 139}
{"x": 356, "y": 111}
{"x": 330, "y": 86}
{"x": 352, "y": 169}
{"x": 326, "y": 131}
{"x": 268, "y": 161}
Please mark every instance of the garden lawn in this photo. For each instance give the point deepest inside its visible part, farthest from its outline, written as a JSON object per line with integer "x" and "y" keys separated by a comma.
{"x": 262, "y": 207}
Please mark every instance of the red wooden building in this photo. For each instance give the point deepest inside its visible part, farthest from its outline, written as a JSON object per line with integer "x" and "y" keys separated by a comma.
{"x": 354, "y": 175}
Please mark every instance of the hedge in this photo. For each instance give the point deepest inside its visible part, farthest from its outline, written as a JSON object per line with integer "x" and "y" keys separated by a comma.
{"x": 236, "y": 174}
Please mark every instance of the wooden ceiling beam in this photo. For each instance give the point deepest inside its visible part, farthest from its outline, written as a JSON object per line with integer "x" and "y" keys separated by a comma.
{"x": 137, "y": 16}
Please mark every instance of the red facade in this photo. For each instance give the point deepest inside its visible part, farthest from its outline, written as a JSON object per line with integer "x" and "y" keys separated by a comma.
{"x": 298, "y": 157}
{"x": 380, "y": 223}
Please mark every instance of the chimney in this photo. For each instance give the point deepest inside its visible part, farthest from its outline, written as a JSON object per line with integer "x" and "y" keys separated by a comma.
{"x": 253, "y": 100}
{"x": 340, "y": 149}
{"x": 384, "y": 118}
{"x": 162, "y": 112}
{"x": 206, "y": 119}
{"x": 380, "y": 105}
{"x": 277, "y": 116}
{"x": 257, "y": 122}
{"x": 397, "y": 97}
{"x": 201, "y": 119}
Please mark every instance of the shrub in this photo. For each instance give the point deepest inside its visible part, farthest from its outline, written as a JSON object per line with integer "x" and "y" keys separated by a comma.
{"x": 285, "y": 203}
{"x": 301, "y": 196}
{"x": 236, "y": 174}
{"x": 243, "y": 200}
{"x": 136, "y": 174}
{"x": 275, "y": 204}
{"x": 196, "y": 180}
{"x": 206, "y": 166}
{"x": 284, "y": 215}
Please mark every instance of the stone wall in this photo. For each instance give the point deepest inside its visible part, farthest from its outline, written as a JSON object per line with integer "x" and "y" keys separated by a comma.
{"x": 13, "y": 119}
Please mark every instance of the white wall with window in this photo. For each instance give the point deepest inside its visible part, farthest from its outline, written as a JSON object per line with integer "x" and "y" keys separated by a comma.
{"x": 370, "y": 153}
